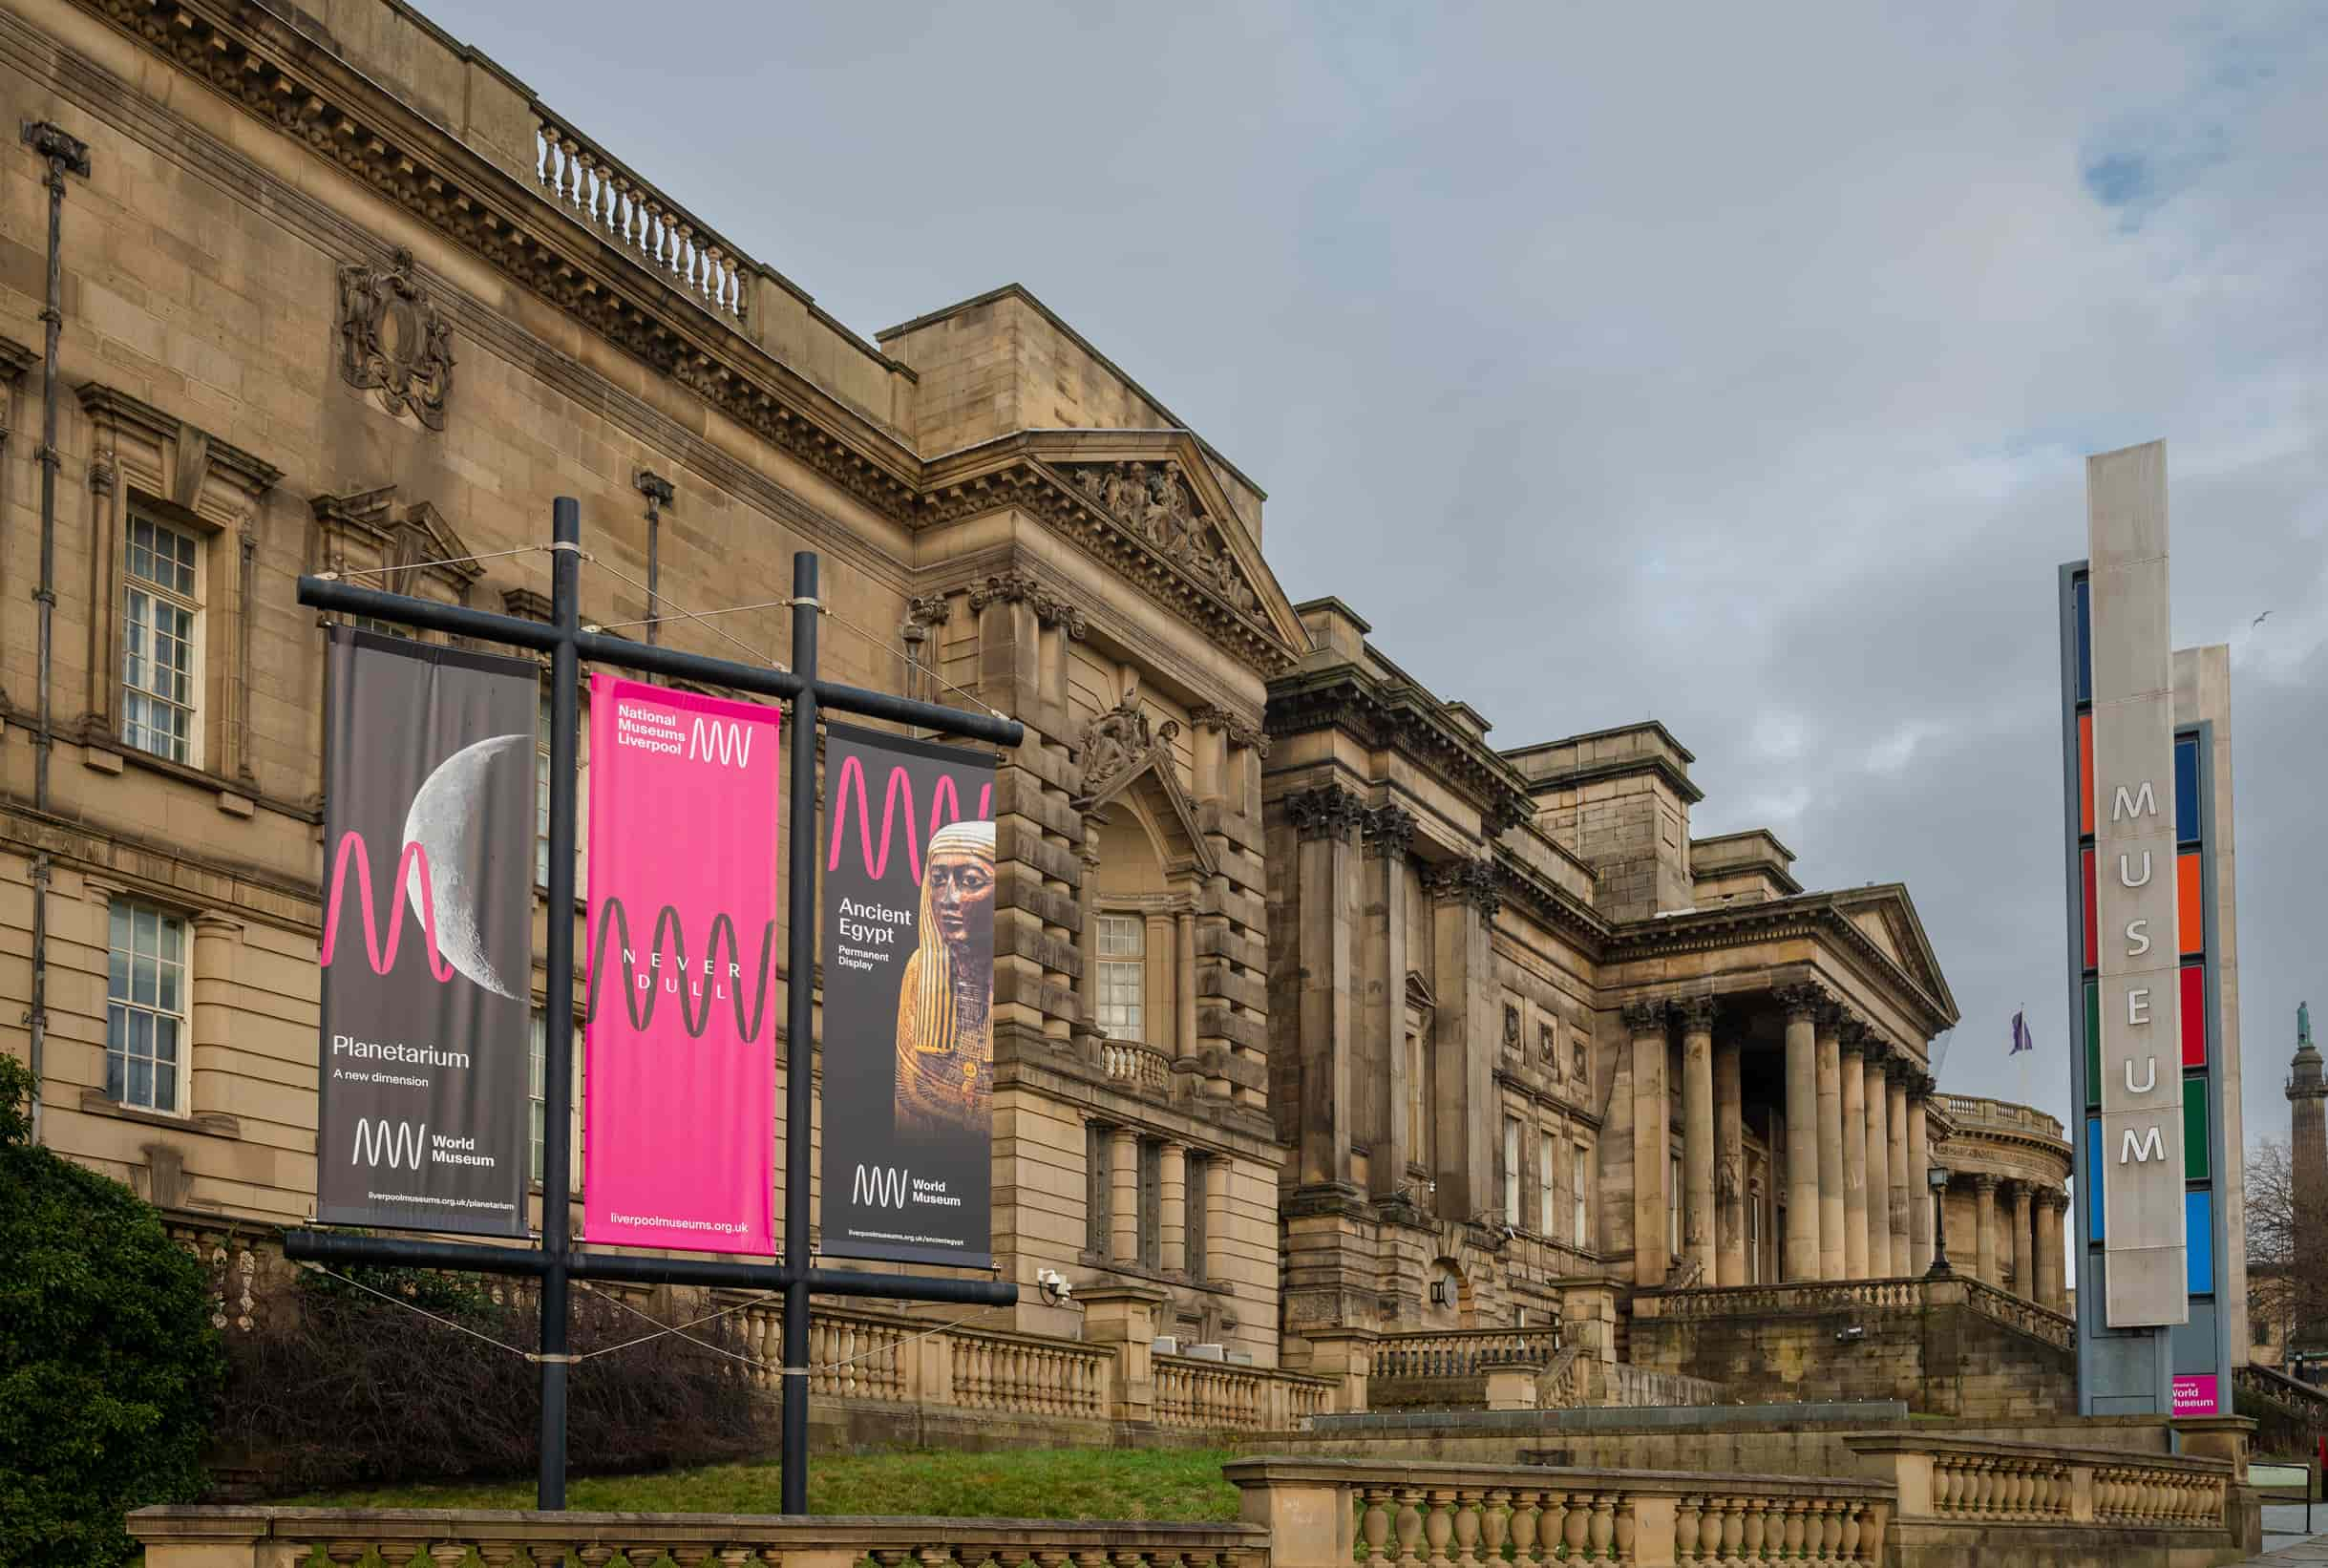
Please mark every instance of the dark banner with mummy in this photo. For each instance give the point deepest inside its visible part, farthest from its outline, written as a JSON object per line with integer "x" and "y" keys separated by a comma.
{"x": 908, "y": 997}
{"x": 427, "y": 952}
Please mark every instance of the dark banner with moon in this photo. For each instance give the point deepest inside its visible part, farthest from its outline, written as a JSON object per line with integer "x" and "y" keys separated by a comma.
{"x": 909, "y": 886}
{"x": 428, "y": 937}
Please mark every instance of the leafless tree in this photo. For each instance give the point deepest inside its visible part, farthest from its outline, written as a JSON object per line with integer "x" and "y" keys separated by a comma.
{"x": 2287, "y": 1250}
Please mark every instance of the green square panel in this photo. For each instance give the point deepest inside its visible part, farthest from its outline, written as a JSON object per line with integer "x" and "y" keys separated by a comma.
{"x": 2093, "y": 1044}
{"x": 2197, "y": 1164}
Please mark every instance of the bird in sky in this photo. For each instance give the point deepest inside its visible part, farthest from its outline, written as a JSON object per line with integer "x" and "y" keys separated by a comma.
{"x": 2259, "y": 620}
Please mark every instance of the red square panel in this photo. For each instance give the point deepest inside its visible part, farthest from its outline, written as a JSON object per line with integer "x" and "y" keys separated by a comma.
{"x": 2194, "y": 1015}
{"x": 2091, "y": 943}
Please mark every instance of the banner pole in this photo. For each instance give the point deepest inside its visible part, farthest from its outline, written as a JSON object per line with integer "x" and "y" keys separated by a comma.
{"x": 799, "y": 1030}
{"x": 558, "y": 1070}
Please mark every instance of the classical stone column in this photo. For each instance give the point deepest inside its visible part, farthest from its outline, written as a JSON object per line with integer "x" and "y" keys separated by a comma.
{"x": 1984, "y": 1213}
{"x": 1391, "y": 1144}
{"x": 2050, "y": 1202}
{"x": 1879, "y": 1061}
{"x": 1124, "y": 1196}
{"x": 1172, "y": 1230}
{"x": 1652, "y": 1119}
{"x": 1801, "y": 1004}
{"x": 1850, "y": 1040}
{"x": 1729, "y": 1166}
{"x": 1464, "y": 1037}
{"x": 1214, "y": 1265}
{"x": 1904, "y": 1197}
{"x": 1830, "y": 1146}
{"x": 1325, "y": 819}
{"x": 1919, "y": 1176}
{"x": 2024, "y": 1243}
{"x": 1697, "y": 1134}
{"x": 1160, "y": 978}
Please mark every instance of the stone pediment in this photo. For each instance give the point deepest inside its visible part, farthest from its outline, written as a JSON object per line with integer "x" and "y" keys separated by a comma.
{"x": 1885, "y": 916}
{"x": 366, "y": 531}
{"x": 1125, "y": 758}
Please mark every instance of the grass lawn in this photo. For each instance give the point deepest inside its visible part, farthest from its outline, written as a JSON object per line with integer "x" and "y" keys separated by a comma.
{"x": 1178, "y": 1484}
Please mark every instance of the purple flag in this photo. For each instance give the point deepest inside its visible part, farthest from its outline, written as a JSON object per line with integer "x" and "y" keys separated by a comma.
{"x": 2021, "y": 1035}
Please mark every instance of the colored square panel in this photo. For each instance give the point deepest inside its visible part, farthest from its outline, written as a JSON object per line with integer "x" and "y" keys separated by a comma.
{"x": 2082, "y": 593}
{"x": 2197, "y": 1165}
{"x": 2093, "y": 1044}
{"x": 2085, "y": 772}
{"x": 2198, "y": 1240}
{"x": 2187, "y": 788}
{"x": 2189, "y": 905}
{"x": 2091, "y": 941}
{"x": 2094, "y": 1205}
{"x": 2194, "y": 1014}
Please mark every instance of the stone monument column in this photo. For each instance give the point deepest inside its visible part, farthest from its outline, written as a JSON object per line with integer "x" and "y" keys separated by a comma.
{"x": 1919, "y": 1176}
{"x": 1879, "y": 1060}
{"x": 1850, "y": 1041}
{"x": 1904, "y": 1197}
{"x": 1984, "y": 1213}
{"x": 1652, "y": 1118}
{"x": 1802, "y": 1259}
{"x": 1729, "y": 1166}
{"x": 2024, "y": 1243}
{"x": 2049, "y": 1205}
{"x": 1697, "y": 1134}
{"x": 1830, "y": 1146}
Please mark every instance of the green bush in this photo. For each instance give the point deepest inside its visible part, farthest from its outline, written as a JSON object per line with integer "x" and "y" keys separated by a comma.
{"x": 108, "y": 1365}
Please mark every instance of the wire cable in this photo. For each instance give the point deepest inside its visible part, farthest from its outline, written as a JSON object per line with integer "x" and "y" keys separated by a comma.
{"x": 417, "y": 565}
{"x": 681, "y": 612}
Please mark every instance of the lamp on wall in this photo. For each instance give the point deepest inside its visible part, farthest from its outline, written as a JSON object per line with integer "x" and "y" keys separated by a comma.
{"x": 1937, "y": 1176}
{"x": 1439, "y": 1294}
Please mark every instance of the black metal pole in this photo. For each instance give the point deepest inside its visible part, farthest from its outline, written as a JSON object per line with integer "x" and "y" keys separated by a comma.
{"x": 1940, "y": 1269}
{"x": 558, "y": 1070}
{"x": 799, "y": 1028}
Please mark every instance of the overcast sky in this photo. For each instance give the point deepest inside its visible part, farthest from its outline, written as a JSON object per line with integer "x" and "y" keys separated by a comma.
{"x": 1729, "y": 365}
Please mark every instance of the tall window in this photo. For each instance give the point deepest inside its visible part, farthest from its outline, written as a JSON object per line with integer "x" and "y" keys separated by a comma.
{"x": 1673, "y": 1205}
{"x": 1576, "y": 1195}
{"x": 1151, "y": 1203}
{"x": 1419, "y": 1132}
{"x": 145, "y": 1007}
{"x": 1097, "y": 1190}
{"x": 161, "y": 610}
{"x": 1122, "y": 972}
{"x": 1754, "y": 1237}
{"x": 1548, "y": 1197}
{"x": 1199, "y": 1167}
{"x": 539, "y": 1095}
{"x": 582, "y": 796}
{"x": 1511, "y": 1172}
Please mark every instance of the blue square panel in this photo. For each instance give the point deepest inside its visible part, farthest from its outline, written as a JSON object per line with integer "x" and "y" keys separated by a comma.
{"x": 2198, "y": 1240}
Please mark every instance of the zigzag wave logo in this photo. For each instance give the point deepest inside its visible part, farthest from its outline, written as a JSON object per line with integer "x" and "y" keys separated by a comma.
{"x": 898, "y": 799}
{"x": 696, "y": 997}
{"x": 399, "y": 1143}
{"x": 878, "y": 1186}
{"x": 382, "y": 952}
{"x": 727, "y": 744}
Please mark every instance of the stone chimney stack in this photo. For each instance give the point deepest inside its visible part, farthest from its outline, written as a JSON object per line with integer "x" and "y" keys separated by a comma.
{"x": 2308, "y": 1118}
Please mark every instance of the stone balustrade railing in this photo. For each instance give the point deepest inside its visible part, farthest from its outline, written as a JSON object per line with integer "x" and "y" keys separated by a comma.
{"x": 2270, "y": 1383}
{"x": 1958, "y": 1480}
{"x": 1330, "y": 1514}
{"x": 1218, "y": 1396}
{"x": 275, "y": 1538}
{"x": 1023, "y": 1372}
{"x": 1629, "y": 1385}
{"x": 600, "y": 190}
{"x": 1139, "y": 1067}
{"x": 1801, "y": 1296}
{"x": 873, "y": 1356}
{"x": 2018, "y": 1312}
{"x": 1461, "y": 1352}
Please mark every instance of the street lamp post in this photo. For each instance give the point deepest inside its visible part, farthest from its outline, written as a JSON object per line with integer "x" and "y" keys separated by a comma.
{"x": 1937, "y": 1176}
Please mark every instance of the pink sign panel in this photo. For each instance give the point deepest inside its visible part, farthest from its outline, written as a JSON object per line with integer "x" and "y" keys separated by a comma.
{"x": 2194, "y": 1394}
{"x": 679, "y": 1075}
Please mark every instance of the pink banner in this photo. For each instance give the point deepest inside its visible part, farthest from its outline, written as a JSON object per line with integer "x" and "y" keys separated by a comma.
{"x": 679, "y": 1080}
{"x": 2196, "y": 1394}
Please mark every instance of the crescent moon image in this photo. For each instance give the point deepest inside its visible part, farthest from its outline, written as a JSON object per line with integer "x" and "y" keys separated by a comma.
{"x": 447, "y": 820}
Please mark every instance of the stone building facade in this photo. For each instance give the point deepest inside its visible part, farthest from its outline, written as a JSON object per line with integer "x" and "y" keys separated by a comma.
{"x": 1317, "y": 1015}
{"x": 2007, "y": 1195}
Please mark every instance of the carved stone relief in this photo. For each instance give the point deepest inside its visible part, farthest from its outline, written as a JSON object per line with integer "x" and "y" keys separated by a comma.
{"x": 1155, "y": 504}
{"x": 394, "y": 341}
{"x": 1120, "y": 739}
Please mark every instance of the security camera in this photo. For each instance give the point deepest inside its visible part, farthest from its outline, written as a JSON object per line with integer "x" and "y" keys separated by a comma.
{"x": 1845, "y": 1336}
{"x": 1054, "y": 1286}
{"x": 1431, "y": 1187}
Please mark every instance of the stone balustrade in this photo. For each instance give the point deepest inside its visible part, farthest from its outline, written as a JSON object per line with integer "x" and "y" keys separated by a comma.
{"x": 1964, "y": 1480}
{"x": 1328, "y": 1513}
{"x": 1773, "y": 1300}
{"x": 1137, "y": 1067}
{"x": 1217, "y": 1396}
{"x": 276, "y": 1537}
{"x": 599, "y": 189}
{"x": 877, "y": 1357}
{"x": 2018, "y": 1312}
{"x": 1461, "y": 1352}
{"x": 1023, "y": 1372}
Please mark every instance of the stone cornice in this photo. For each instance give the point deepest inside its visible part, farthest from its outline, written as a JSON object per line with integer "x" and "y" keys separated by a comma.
{"x": 110, "y": 405}
{"x": 1402, "y": 719}
{"x": 1625, "y": 767}
{"x": 1816, "y": 915}
{"x": 1523, "y": 887}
